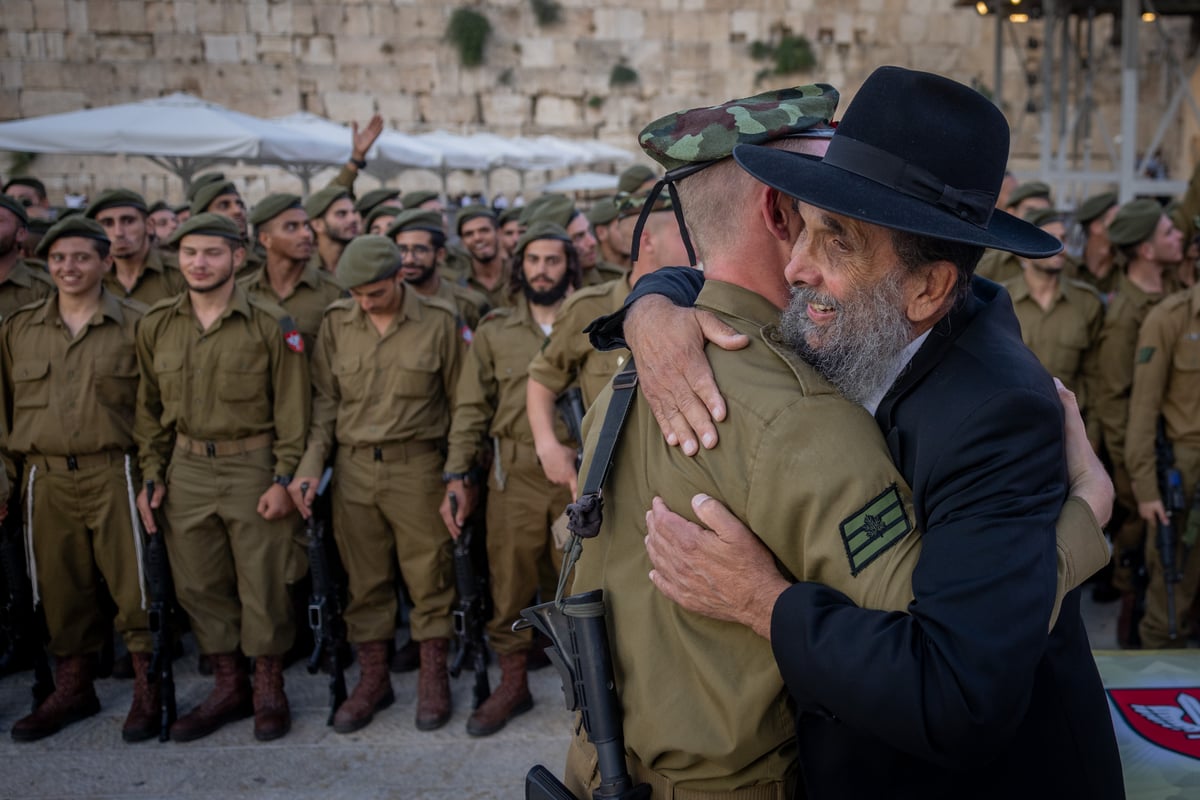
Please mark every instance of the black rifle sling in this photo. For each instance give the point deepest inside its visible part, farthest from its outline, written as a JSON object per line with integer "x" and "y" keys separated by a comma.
{"x": 585, "y": 514}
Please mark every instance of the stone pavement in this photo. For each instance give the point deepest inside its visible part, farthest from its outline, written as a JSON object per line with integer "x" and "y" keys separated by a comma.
{"x": 389, "y": 758}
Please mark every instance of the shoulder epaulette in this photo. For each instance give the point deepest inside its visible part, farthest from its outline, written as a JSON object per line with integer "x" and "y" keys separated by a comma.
{"x": 496, "y": 313}
{"x": 341, "y": 304}
{"x": 438, "y": 303}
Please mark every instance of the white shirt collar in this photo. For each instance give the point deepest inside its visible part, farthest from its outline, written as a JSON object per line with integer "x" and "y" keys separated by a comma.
{"x": 898, "y": 366}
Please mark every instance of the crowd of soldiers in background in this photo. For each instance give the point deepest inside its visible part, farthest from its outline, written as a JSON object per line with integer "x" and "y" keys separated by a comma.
{"x": 204, "y": 372}
{"x": 420, "y": 350}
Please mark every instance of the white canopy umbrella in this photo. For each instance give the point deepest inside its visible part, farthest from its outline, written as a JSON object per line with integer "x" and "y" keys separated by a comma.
{"x": 584, "y": 182}
{"x": 604, "y": 152}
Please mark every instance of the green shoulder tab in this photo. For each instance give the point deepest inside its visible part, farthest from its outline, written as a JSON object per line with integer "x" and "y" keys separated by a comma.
{"x": 1144, "y": 355}
{"x": 875, "y": 527}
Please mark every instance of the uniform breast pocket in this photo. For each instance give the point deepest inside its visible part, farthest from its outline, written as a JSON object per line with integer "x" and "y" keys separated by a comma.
{"x": 417, "y": 377}
{"x": 353, "y": 382}
{"x": 31, "y": 384}
{"x": 1067, "y": 357}
{"x": 1187, "y": 353}
{"x": 244, "y": 380}
{"x": 117, "y": 381}
{"x": 168, "y": 368}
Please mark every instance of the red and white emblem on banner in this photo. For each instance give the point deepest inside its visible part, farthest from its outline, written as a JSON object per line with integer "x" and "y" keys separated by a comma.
{"x": 295, "y": 341}
{"x": 1169, "y": 718}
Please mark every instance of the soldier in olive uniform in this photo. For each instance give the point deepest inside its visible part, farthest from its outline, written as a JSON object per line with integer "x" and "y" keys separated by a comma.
{"x": 1096, "y": 265}
{"x": 418, "y": 235}
{"x": 485, "y": 269}
{"x": 379, "y": 219}
{"x": 383, "y": 378}
{"x": 1166, "y": 383}
{"x": 603, "y": 218}
{"x": 378, "y": 198}
{"x": 31, "y": 194}
{"x": 220, "y": 196}
{"x": 335, "y": 221}
{"x": 559, "y": 209}
{"x": 522, "y": 503}
{"x": 1148, "y": 242}
{"x": 20, "y": 282}
{"x": 1001, "y": 266}
{"x": 288, "y": 277}
{"x": 223, "y": 407}
{"x": 67, "y": 406}
{"x": 511, "y": 229}
{"x": 139, "y": 271}
{"x": 162, "y": 221}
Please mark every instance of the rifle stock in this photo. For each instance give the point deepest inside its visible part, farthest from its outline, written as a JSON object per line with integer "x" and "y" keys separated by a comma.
{"x": 570, "y": 408}
{"x": 1170, "y": 487}
{"x": 325, "y": 603}
{"x": 468, "y": 614}
{"x": 158, "y": 576}
{"x": 21, "y": 625}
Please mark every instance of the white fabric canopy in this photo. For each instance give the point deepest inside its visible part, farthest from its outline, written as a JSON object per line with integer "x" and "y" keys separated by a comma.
{"x": 584, "y": 182}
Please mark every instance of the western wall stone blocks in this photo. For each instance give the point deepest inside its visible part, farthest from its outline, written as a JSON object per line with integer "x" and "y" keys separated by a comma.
{"x": 47, "y": 14}
{"x": 116, "y": 47}
{"x": 505, "y": 108}
{"x": 537, "y": 52}
{"x": 131, "y": 16}
{"x": 346, "y": 106}
{"x": 398, "y": 109}
{"x": 747, "y": 23}
{"x": 314, "y": 49}
{"x": 356, "y": 21}
{"x": 327, "y": 18}
{"x": 258, "y": 16}
{"x": 618, "y": 23}
{"x": 552, "y": 111}
{"x": 274, "y": 48}
{"x": 303, "y": 23}
{"x": 36, "y": 102}
{"x": 11, "y": 74}
{"x": 438, "y": 109}
{"x": 221, "y": 49}
{"x": 185, "y": 16}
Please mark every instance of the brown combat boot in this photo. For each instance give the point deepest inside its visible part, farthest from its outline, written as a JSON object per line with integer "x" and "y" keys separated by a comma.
{"x": 144, "y": 720}
{"x": 510, "y": 698}
{"x": 229, "y": 700}
{"x": 373, "y": 692}
{"x": 74, "y": 698}
{"x": 272, "y": 718}
{"x": 407, "y": 657}
{"x": 433, "y": 686}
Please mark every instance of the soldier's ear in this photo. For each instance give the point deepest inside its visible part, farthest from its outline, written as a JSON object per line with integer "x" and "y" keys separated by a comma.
{"x": 775, "y": 208}
{"x": 239, "y": 258}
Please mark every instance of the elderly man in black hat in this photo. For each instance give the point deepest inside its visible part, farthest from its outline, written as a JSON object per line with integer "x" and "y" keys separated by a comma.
{"x": 966, "y": 693}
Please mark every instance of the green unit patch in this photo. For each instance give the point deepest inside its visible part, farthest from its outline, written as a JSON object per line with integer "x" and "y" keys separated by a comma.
{"x": 874, "y": 528}
{"x": 1144, "y": 355}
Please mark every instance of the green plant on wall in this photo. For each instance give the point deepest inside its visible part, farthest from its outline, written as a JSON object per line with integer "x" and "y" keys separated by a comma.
{"x": 548, "y": 12}
{"x": 788, "y": 54}
{"x": 468, "y": 31}
{"x": 622, "y": 75}
{"x": 18, "y": 163}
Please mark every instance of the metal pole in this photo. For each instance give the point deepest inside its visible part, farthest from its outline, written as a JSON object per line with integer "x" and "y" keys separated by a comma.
{"x": 1130, "y": 16}
{"x": 999, "y": 95}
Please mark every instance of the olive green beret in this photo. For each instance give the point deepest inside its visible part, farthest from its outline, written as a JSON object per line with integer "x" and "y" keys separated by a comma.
{"x": 700, "y": 135}
{"x": 509, "y": 214}
{"x": 377, "y": 212}
{"x": 32, "y": 183}
{"x": 367, "y": 259}
{"x": 374, "y": 198}
{"x": 556, "y": 208}
{"x": 272, "y": 206}
{"x": 200, "y": 181}
{"x": 63, "y": 213}
{"x": 319, "y": 202}
{"x": 416, "y": 219}
{"x": 15, "y": 207}
{"x": 206, "y": 194}
{"x": 633, "y": 177}
{"x": 1094, "y": 207}
{"x": 160, "y": 205}
{"x": 76, "y": 225}
{"x": 1135, "y": 222}
{"x": 469, "y": 213}
{"x": 1043, "y": 216}
{"x": 39, "y": 226}
{"x": 603, "y": 211}
{"x": 1025, "y": 191}
{"x": 542, "y": 229}
{"x": 207, "y": 224}
{"x": 414, "y": 199}
{"x": 116, "y": 198}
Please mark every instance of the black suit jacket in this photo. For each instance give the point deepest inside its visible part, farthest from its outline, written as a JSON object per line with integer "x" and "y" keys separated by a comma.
{"x": 966, "y": 695}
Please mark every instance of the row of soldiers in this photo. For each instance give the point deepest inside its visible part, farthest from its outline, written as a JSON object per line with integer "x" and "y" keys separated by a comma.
{"x": 1118, "y": 326}
{"x": 197, "y": 391}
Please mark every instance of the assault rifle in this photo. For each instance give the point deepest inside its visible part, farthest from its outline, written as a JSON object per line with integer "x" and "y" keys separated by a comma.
{"x": 581, "y": 654}
{"x": 1170, "y": 488}
{"x": 162, "y": 668}
{"x": 325, "y": 603}
{"x": 21, "y": 639}
{"x": 570, "y": 408}
{"x": 468, "y": 615}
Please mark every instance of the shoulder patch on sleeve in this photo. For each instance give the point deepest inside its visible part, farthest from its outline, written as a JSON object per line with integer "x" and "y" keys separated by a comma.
{"x": 1144, "y": 355}
{"x": 291, "y": 335}
{"x": 875, "y": 527}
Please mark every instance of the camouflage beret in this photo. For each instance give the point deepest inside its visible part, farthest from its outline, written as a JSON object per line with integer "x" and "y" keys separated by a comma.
{"x": 160, "y": 205}
{"x": 1135, "y": 222}
{"x": 76, "y": 225}
{"x": 374, "y": 198}
{"x": 603, "y": 211}
{"x": 1025, "y": 191}
{"x": 509, "y": 214}
{"x": 206, "y": 194}
{"x": 319, "y": 202}
{"x": 200, "y": 181}
{"x": 416, "y": 219}
{"x": 415, "y": 199}
{"x": 468, "y": 213}
{"x": 367, "y": 259}
{"x": 116, "y": 198}
{"x": 700, "y": 135}
{"x": 543, "y": 229}
{"x": 1043, "y": 216}
{"x": 630, "y": 205}
{"x": 16, "y": 207}
{"x": 380, "y": 211}
{"x": 207, "y": 224}
{"x": 272, "y": 206}
{"x": 1094, "y": 207}
{"x": 32, "y": 183}
{"x": 556, "y": 208}
{"x": 633, "y": 177}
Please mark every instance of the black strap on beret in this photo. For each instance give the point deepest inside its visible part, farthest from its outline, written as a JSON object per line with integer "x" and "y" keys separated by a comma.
{"x": 668, "y": 181}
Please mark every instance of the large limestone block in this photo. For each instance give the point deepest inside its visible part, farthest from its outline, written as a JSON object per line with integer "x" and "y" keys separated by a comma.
{"x": 551, "y": 111}
{"x": 35, "y": 102}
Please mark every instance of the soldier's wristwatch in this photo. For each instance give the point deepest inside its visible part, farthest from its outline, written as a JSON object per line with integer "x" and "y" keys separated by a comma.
{"x": 283, "y": 480}
{"x": 360, "y": 163}
{"x": 465, "y": 477}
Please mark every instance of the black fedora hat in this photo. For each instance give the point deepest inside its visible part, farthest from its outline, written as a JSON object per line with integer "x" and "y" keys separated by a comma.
{"x": 915, "y": 152}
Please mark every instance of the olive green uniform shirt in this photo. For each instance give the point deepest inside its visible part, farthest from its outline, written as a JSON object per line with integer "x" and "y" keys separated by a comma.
{"x": 158, "y": 281}
{"x": 69, "y": 395}
{"x": 26, "y": 283}
{"x": 470, "y": 304}
{"x": 703, "y": 701}
{"x": 999, "y": 266}
{"x": 245, "y": 376}
{"x": 1166, "y": 381}
{"x": 1118, "y": 344}
{"x": 311, "y": 295}
{"x": 602, "y": 273}
{"x": 372, "y": 389}
{"x": 568, "y": 356}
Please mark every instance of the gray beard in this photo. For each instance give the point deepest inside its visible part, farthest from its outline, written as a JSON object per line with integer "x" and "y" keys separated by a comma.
{"x": 855, "y": 352}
